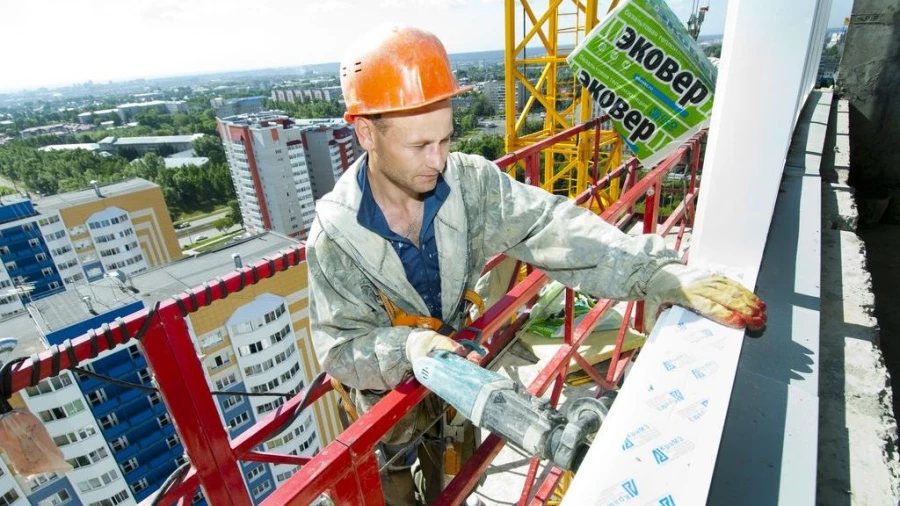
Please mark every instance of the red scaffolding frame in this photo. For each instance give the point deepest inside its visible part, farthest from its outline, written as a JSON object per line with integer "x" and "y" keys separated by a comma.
{"x": 347, "y": 471}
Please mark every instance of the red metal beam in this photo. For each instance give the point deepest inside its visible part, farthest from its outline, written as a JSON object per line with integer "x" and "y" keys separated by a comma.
{"x": 179, "y": 374}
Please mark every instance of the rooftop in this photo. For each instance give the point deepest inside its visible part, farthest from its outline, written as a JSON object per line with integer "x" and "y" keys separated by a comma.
{"x": 181, "y": 161}
{"x": 158, "y": 139}
{"x": 69, "y": 199}
{"x": 150, "y": 103}
{"x": 67, "y": 308}
{"x": 89, "y": 146}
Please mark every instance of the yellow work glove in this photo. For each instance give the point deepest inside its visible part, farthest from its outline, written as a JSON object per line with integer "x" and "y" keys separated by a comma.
{"x": 716, "y": 297}
{"x": 422, "y": 342}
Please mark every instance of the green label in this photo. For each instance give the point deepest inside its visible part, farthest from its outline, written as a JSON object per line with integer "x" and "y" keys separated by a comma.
{"x": 643, "y": 69}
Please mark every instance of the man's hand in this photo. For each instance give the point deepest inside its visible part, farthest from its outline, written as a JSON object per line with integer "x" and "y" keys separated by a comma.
{"x": 422, "y": 342}
{"x": 716, "y": 297}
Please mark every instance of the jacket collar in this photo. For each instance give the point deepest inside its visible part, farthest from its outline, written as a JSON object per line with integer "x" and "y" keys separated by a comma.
{"x": 337, "y": 213}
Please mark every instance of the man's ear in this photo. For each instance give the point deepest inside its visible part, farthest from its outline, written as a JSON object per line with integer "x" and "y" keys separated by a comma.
{"x": 365, "y": 132}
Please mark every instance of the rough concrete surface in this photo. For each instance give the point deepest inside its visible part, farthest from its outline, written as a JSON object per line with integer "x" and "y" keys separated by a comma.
{"x": 858, "y": 459}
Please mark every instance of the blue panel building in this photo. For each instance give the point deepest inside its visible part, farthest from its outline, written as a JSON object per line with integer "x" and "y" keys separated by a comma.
{"x": 25, "y": 253}
{"x": 134, "y": 422}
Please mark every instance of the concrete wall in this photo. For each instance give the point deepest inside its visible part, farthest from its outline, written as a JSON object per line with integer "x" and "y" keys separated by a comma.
{"x": 868, "y": 79}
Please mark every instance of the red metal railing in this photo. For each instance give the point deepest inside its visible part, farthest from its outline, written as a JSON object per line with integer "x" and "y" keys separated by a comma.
{"x": 346, "y": 471}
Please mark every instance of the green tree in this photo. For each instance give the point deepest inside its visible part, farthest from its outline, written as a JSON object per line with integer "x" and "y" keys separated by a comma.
{"x": 713, "y": 50}
{"x": 210, "y": 147}
{"x": 234, "y": 213}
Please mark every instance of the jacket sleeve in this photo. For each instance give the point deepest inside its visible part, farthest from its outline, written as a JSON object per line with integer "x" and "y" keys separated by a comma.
{"x": 352, "y": 334}
{"x": 570, "y": 244}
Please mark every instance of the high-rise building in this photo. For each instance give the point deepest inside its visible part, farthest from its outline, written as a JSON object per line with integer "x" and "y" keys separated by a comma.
{"x": 269, "y": 171}
{"x": 50, "y": 244}
{"x": 331, "y": 147}
{"x": 120, "y": 440}
{"x": 276, "y": 162}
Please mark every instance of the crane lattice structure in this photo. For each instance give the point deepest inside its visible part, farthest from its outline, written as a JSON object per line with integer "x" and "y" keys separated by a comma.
{"x": 543, "y": 97}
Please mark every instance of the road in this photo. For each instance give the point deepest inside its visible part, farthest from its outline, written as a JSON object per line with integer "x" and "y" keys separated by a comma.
{"x": 186, "y": 236}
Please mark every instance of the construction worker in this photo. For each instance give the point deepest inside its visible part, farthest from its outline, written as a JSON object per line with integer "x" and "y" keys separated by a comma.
{"x": 409, "y": 227}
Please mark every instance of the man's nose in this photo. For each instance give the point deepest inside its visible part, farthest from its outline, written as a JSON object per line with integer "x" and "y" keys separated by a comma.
{"x": 434, "y": 157}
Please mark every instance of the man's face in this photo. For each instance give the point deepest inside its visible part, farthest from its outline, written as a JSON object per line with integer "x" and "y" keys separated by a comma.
{"x": 409, "y": 150}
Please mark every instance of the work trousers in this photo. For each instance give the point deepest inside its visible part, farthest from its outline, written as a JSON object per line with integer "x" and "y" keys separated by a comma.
{"x": 415, "y": 473}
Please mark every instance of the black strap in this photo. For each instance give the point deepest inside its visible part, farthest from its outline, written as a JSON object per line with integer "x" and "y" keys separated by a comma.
{"x": 193, "y": 298}
{"x": 181, "y": 305}
{"x": 92, "y": 337}
{"x": 6, "y": 384}
{"x": 70, "y": 352}
{"x": 54, "y": 360}
{"x": 35, "y": 369}
{"x": 207, "y": 292}
{"x": 271, "y": 267}
{"x": 126, "y": 336}
{"x": 107, "y": 334}
{"x": 222, "y": 287}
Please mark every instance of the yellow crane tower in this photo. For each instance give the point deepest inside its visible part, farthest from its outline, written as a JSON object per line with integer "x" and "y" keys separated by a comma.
{"x": 543, "y": 97}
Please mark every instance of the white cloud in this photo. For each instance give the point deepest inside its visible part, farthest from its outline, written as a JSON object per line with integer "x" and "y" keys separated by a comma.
{"x": 329, "y": 6}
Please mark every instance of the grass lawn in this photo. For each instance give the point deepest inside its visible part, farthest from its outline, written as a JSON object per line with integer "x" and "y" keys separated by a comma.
{"x": 214, "y": 242}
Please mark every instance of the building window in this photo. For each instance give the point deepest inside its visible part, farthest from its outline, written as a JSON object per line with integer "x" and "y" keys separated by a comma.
{"x": 40, "y": 257}
{"x": 154, "y": 398}
{"x": 212, "y": 340}
{"x": 140, "y": 485}
{"x": 49, "y": 385}
{"x": 100, "y": 481}
{"x": 163, "y": 420}
{"x": 255, "y": 472}
{"x": 10, "y": 497}
{"x": 144, "y": 376}
{"x": 220, "y": 361}
{"x": 82, "y": 376}
{"x": 57, "y": 498}
{"x": 119, "y": 444}
{"x": 134, "y": 351}
{"x": 239, "y": 420}
{"x": 230, "y": 402}
{"x": 40, "y": 480}
{"x": 34, "y": 242}
{"x": 262, "y": 488}
{"x": 74, "y": 437}
{"x": 61, "y": 412}
{"x": 90, "y": 458}
{"x": 226, "y": 382}
{"x": 112, "y": 501}
{"x": 130, "y": 465}
{"x": 97, "y": 397}
{"x": 109, "y": 421}
{"x": 172, "y": 441}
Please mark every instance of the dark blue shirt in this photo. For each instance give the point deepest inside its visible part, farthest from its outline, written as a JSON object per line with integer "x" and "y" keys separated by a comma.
{"x": 421, "y": 264}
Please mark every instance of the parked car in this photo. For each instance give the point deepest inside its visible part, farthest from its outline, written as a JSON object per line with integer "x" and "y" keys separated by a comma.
{"x": 201, "y": 237}
{"x": 180, "y": 226}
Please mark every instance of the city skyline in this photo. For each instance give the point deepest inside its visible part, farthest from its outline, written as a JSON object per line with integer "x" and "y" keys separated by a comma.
{"x": 166, "y": 38}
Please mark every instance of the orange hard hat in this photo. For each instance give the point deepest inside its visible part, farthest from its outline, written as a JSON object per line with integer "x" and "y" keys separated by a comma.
{"x": 396, "y": 68}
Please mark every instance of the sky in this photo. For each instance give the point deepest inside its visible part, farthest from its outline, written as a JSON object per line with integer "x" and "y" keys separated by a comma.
{"x": 61, "y": 42}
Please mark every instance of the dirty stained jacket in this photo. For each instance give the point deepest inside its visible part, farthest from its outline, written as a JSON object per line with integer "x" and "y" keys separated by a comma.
{"x": 486, "y": 213}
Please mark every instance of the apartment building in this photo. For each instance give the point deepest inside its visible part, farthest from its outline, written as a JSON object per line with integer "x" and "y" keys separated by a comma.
{"x": 270, "y": 172}
{"x": 50, "y": 244}
{"x": 120, "y": 440}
